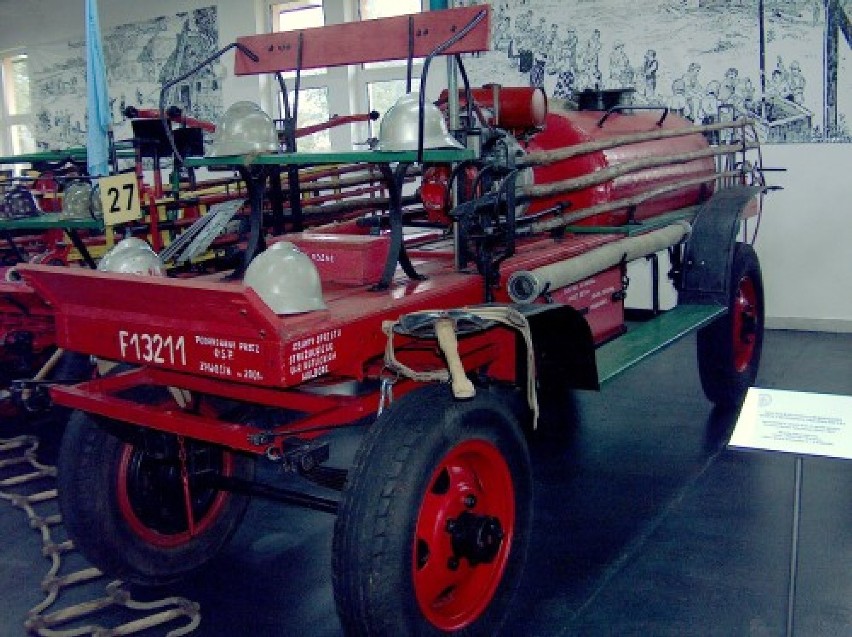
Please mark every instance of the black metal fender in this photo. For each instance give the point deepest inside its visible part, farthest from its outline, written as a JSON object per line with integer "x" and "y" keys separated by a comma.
{"x": 564, "y": 348}
{"x": 709, "y": 250}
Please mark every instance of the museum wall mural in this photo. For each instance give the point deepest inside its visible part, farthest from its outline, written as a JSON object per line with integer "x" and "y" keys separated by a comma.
{"x": 140, "y": 57}
{"x": 705, "y": 59}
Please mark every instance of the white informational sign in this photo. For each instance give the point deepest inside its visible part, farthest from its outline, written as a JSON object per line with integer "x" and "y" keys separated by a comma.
{"x": 795, "y": 422}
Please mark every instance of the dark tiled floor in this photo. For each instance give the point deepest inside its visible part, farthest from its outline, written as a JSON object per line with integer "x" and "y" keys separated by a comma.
{"x": 645, "y": 525}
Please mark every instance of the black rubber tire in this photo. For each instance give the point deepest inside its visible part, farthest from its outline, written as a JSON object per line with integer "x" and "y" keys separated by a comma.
{"x": 375, "y": 532}
{"x": 89, "y": 473}
{"x": 728, "y": 361}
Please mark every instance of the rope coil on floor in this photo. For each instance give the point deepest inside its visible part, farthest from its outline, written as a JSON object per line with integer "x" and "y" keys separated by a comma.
{"x": 19, "y": 465}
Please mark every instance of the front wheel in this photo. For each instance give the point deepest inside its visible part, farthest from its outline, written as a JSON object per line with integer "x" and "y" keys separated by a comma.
{"x": 434, "y": 523}
{"x": 142, "y": 507}
{"x": 729, "y": 349}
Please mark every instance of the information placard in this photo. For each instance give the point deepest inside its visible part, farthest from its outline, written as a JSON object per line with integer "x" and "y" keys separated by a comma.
{"x": 795, "y": 422}
{"x": 120, "y": 198}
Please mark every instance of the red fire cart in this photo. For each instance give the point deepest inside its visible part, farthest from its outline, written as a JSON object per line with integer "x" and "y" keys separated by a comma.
{"x": 444, "y": 325}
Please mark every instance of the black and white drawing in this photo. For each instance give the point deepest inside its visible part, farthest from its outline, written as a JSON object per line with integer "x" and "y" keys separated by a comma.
{"x": 787, "y": 64}
{"x": 140, "y": 57}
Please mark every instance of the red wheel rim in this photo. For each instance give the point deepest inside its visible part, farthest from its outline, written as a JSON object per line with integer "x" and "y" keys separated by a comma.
{"x": 473, "y": 479}
{"x": 141, "y": 478}
{"x": 744, "y": 322}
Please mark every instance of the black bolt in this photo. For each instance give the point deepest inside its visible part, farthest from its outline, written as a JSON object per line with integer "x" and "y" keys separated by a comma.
{"x": 470, "y": 500}
{"x": 453, "y": 563}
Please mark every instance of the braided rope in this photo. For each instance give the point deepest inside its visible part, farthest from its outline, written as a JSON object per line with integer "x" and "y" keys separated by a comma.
{"x": 20, "y": 468}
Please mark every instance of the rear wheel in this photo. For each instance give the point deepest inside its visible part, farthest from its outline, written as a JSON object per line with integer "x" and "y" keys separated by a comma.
{"x": 729, "y": 349}
{"x": 144, "y": 508}
{"x": 433, "y": 528}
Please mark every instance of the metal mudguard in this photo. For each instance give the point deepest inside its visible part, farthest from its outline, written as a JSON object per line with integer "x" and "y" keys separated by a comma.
{"x": 709, "y": 250}
{"x": 564, "y": 348}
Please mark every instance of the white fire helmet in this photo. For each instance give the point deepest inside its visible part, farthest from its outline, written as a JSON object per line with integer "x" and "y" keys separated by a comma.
{"x": 399, "y": 128}
{"x": 243, "y": 129}
{"x": 285, "y": 279}
{"x": 132, "y": 256}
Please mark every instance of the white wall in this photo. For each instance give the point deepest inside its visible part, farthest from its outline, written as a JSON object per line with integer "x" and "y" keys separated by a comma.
{"x": 805, "y": 238}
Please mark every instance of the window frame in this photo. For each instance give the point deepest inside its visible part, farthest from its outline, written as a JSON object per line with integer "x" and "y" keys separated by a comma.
{"x": 7, "y": 119}
{"x": 348, "y": 85}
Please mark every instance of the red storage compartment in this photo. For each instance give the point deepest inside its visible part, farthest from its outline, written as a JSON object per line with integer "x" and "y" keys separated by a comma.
{"x": 600, "y": 298}
{"x": 569, "y": 128}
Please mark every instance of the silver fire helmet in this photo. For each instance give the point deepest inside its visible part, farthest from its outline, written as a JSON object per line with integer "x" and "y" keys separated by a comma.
{"x": 134, "y": 257}
{"x": 243, "y": 129}
{"x": 398, "y": 130}
{"x": 19, "y": 203}
{"x": 78, "y": 201}
{"x": 285, "y": 279}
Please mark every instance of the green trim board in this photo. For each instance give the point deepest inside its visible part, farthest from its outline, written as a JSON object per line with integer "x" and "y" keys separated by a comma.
{"x": 644, "y": 339}
{"x": 50, "y": 222}
{"x": 75, "y": 154}
{"x": 339, "y": 157}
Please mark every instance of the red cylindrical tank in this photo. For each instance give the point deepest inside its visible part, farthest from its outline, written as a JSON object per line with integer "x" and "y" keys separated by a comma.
{"x": 568, "y": 128}
{"x": 511, "y": 107}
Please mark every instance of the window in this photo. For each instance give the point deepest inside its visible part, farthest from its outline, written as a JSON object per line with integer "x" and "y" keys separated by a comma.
{"x": 294, "y": 15}
{"x": 16, "y": 136}
{"x": 340, "y": 90}
{"x": 297, "y": 15}
{"x": 313, "y": 109}
{"x": 313, "y": 93}
{"x": 382, "y": 83}
{"x": 370, "y": 9}
{"x": 380, "y": 97}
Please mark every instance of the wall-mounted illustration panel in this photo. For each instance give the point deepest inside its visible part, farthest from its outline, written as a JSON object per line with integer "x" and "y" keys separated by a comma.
{"x": 140, "y": 57}
{"x": 785, "y": 63}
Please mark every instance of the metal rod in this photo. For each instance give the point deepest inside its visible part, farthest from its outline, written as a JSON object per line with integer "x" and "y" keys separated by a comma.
{"x": 794, "y": 547}
{"x": 459, "y": 35}
{"x": 287, "y": 496}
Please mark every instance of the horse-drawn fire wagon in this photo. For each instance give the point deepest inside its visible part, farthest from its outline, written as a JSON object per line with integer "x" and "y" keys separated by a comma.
{"x": 444, "y": 323}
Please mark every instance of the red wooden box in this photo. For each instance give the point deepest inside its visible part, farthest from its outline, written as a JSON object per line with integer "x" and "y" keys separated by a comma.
{"x": 345, "y": 258}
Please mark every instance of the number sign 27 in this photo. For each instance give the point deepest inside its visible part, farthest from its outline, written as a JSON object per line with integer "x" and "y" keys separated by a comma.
{"x": 120, "y": 198}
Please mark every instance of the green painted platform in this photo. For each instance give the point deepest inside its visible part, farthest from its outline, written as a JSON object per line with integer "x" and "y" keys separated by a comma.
{"x": 339, "y": 157}
{"x": 641, "y": 227}
{"x": 77, "y": 153}
{"x": 644, "y": 339}
{"x": 50, "y": 221}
